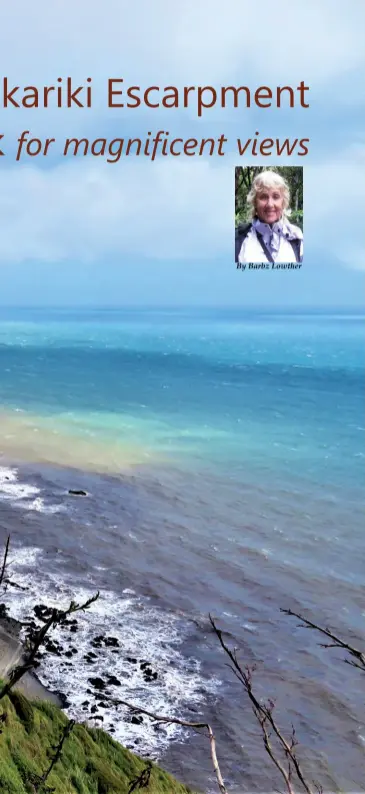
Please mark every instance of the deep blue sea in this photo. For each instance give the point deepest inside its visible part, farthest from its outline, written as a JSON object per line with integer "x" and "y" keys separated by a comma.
{"x": 222, "y": 452}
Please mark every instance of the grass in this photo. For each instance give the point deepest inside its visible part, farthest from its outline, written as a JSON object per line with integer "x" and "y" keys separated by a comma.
{"x": 91, "y": 762}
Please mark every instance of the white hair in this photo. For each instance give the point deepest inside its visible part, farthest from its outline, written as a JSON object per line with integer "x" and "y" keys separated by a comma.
{"x": 264, "y": 180}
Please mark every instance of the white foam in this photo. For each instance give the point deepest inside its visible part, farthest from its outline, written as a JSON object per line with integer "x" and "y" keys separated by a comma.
{"x": 40, "y": 506}
{"x": 143, "y": 632}
{"x": 20, "y": 493}
{"x": 11, "y": 488}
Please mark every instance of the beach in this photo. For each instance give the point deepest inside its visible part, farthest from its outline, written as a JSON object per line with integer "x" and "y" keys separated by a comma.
{"x": 11, "y": 654}
{"x": 221, "y": 454}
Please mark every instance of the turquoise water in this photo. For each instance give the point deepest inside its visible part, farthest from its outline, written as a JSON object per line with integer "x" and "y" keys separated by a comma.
{"x": 219, "y": 386}
{"x": 224, "y": 453}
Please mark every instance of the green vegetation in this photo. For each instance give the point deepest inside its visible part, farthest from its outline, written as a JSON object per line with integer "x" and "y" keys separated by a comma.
{"x": 91, "y": 761}
{"x": 292, "y": 174}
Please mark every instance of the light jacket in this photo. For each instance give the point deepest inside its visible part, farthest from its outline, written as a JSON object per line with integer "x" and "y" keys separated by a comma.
{"x": 258, "y": 242}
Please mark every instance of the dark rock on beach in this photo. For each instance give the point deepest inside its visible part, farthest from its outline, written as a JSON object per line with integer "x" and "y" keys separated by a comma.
{"x": 65, "y": 703}
{"x": 98, "y": 683}
{"x": 148, "y": 674}
{"x": 137, "y": 719}
{"x": 111, "y": 642}
{"x": 90, "y": 658}
{"x": 42, "y": 612}
{"x": 113, "y": 681}
{"x": 77, "y": 492}
{"x": 52, "y": 646}
{"x": 107, "y": 642}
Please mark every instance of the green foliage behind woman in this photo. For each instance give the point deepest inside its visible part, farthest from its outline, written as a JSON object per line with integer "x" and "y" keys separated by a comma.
{"x": 243, "y": 181}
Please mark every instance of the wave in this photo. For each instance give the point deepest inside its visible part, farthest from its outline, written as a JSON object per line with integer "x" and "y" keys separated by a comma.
{"x": 124, "y": 641}
{"x": 22, "y": 494}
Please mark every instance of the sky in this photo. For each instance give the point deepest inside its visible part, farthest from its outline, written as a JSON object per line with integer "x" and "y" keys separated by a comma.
{"x": 81, "y": 231}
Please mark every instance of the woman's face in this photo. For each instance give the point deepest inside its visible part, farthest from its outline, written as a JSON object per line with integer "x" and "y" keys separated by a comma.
{"x": 269, "y": 205}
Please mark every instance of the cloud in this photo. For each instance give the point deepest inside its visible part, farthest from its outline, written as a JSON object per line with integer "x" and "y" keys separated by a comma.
{"x": 186, "y": 38}
{"x": 335, "y": 206}
{"x": 89, "y": 212}
{"x": 169, "y": 209}
{"x": 180, "y": 43}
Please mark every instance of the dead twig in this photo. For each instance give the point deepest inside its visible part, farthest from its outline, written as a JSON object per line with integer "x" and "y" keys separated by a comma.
{"x": 288, "y": 765}
{"x": 58, "y": 616}
{"x": 5, "y": 558}
{"x": 39, "y": 782}
{"x": 142, "y": 780}
{"x": 336, "y": 641}
{"x": 196, "y": 726}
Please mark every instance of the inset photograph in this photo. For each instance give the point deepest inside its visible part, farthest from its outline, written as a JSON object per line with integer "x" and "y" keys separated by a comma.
{"x": 268, "y": 215}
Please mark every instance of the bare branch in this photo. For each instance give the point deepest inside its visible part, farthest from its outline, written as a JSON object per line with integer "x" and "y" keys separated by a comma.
{"x": 5, "y": 558}
{"x": 264, "y": 715}
{"x": 39, "y": 781}
{"x": 196, "y": 726}
{"x": 142, "y": 780}
{"x": 336, "y": 641}
{"x": 58, "y": 616}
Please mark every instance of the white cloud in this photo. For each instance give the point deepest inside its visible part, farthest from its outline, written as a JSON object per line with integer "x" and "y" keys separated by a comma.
{"x": 85, "y": 211}
{"x": 88, "y": 212}
{"x": 187, "y": 42}
{"x": 335, "y": 206}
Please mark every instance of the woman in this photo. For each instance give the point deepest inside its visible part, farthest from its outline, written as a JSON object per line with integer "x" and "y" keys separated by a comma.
{"x": 269, "y": 237}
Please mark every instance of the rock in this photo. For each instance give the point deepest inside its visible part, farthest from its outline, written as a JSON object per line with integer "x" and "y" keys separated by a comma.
{"x": 111, "y": 642}
{"x": 113, "y": 681}
{"x": 151, "y": 676}
{"x": 65, "y": 703}
{"x": 98, "y": 683}
{"x": 53, "y": 646}
{"x": 137, "y": 719}
{"x": 131, "y": 660}
{"x": 108, "y": 642}
{"x": 70, "y": 622}
{"x": 85, "y": 703}
{"x": 77, "y": 492}
{"x": 42, "y": 612}
{"x": 97, "y": 642}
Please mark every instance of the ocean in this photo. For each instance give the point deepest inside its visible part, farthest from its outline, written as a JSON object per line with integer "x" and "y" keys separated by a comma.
{"x": 222, "y": 453}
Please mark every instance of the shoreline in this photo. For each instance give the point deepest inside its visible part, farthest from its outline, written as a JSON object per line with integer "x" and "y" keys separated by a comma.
{"x": 11, "y": 654}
